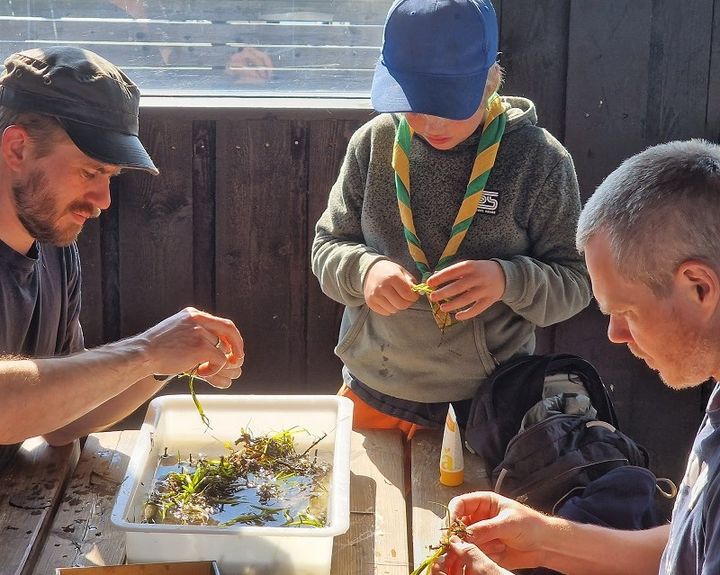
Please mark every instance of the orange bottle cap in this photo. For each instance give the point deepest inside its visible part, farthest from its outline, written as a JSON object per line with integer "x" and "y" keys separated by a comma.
{"x": 452, "y": 478}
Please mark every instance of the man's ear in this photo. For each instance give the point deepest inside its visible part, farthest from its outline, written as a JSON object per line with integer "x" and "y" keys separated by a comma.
{"x": 15, "y": 146}
{"x": 700, "y": 282}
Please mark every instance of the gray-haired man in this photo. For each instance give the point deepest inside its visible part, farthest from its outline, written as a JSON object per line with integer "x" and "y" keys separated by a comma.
{"x": 651, "y": 240}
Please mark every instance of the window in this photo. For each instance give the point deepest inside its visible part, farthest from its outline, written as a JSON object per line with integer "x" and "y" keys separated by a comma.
{"x": 322, "y": 48}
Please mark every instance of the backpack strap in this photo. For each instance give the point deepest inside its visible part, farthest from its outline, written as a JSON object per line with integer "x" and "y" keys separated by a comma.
{"x": 529, "y": 374}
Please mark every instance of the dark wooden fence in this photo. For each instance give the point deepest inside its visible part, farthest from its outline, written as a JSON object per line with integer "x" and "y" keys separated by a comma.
{"x": 228, "y": 225}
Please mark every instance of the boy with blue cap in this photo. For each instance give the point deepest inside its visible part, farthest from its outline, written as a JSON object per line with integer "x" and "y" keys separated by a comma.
{"x": 455, "y": 194}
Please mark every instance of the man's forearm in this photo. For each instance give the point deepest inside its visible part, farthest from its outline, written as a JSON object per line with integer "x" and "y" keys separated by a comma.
{"x": 57, "y": 391}
{"x": 578, "y": 549}
{"x": 107, "y": 413}
{"x": 55, "y": 397}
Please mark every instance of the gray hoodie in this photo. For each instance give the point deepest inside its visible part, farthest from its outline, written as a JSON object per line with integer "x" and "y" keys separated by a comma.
{"x": 526, "y": 223}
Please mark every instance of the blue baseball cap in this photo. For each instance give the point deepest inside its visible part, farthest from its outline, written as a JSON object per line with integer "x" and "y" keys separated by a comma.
{"x": 435, "y": 58}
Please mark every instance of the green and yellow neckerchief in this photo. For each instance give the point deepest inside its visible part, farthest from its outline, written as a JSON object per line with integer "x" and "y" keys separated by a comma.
{"x": 493, "y": 129}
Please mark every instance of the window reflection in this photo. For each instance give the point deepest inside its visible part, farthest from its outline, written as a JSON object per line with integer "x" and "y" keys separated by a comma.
{"x": 214, "y": 47}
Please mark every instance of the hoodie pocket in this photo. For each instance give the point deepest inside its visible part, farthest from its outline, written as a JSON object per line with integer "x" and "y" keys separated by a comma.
{"x": 352, "y": 323}
{"x": 406, "y": 355}
{"x": 486, "y": 357}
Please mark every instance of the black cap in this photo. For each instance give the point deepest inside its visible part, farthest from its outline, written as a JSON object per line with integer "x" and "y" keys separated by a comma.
{"x": 94, "y": 100}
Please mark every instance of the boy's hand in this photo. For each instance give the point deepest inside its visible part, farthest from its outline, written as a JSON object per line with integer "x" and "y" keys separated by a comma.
{"x": 388, "y": 288}
{"x": 471, "y": 286}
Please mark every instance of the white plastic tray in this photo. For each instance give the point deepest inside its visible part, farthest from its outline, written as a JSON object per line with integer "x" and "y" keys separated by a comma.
{"x": 172, "y": 421}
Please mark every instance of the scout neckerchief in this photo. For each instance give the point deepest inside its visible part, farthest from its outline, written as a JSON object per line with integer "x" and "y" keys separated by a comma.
{"x": 495, "y": 120}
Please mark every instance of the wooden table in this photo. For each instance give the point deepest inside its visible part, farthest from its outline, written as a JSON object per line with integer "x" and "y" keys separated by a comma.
{"x": 428, "y": 497}
{"x": 55, "y": 511}
{"x": 32, "y": 487}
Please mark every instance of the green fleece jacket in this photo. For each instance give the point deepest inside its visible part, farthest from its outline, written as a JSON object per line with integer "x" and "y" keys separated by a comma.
{"x": 526, "y": 223}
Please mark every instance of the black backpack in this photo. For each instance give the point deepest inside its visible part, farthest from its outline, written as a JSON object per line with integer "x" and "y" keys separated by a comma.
{"x": 557, "y": 457}
{"x": 500, "y": 404}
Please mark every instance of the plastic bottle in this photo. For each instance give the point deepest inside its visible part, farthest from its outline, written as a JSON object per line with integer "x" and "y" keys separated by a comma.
{"x": 451, "y": 454}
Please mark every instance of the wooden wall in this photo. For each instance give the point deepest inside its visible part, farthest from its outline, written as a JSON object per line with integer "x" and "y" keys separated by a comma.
{"x": 228, "y": 225}
{"x": 610, "y": 78}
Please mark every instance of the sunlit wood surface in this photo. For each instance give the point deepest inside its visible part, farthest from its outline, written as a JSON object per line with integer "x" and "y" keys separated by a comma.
{"x": 429, "y": 497}
{"x": 32, "y": 487}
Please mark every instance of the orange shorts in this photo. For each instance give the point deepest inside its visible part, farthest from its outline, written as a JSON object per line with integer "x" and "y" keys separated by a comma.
{"x": 367, "y": 417}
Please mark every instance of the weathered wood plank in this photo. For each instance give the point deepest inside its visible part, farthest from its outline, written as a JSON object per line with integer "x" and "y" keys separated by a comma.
{"x": 612, "y": 114}
{"x": 498, "y": 5}
{"x": 712, "y": 121}
{"x": 607, "y": 92}
{"x": 681, "y": 46}
{"x": 429, "y": 495}
{"x": 110, "y": 248}
{"x": 376, "y": 542}
{"x": 82, "y": 534}
{"x": 33, "y": 485}
{"x": 262, "y": 252}
{"x": 156, "y": 229}
{"x": 91, "y": 313}
{"x": 203, "y": 192}
{"x": 328, "y": 141}
{"x": 534, "y": 53}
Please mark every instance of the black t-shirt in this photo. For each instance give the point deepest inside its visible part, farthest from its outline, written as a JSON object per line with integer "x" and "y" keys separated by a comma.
{"x": 39, "y": 306}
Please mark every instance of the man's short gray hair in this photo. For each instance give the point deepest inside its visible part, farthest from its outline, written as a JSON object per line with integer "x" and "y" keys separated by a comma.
{"x": 660, "y": 208}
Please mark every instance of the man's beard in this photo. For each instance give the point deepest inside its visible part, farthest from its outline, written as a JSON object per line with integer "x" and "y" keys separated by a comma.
{"x": 693, "y": 360}
{"x": 39, "y": 214}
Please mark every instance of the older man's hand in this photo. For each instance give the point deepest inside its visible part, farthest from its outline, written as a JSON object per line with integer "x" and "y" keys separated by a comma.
{"x": 464, "y": 558}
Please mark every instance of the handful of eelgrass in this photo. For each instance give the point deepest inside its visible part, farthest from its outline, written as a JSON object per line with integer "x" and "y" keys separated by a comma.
{"x": 191, "y": 375}
{"x": 422, "y": 288}
{"x": 442, "y": 319}
{"x": 458, "y": 528}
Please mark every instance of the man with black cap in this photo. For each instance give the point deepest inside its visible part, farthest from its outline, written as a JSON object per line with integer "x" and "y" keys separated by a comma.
{"x": 68, "y": 123}
{"x": 455, "y": 194}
